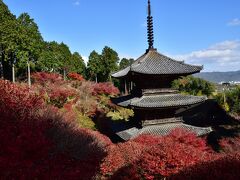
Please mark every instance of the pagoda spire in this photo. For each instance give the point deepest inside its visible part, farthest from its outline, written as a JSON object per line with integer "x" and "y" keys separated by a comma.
{"x": 150, "y": 27}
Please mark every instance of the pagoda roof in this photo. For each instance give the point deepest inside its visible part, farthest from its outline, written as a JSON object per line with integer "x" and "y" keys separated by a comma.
{"x": 154, "y": 63}
{"x": 162, "y": 130}
{"x": 158, "y": 100}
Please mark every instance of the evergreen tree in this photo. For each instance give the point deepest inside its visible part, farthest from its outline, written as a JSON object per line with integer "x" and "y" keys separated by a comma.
{"x": 54, "y": 58}
{"x": 94, "y": 66}
{"x": 31, "y": 45}
{"x": 9, "y": 36}
{"x": 110, "y": 62}
{"x": 49, "y": 59}
{"x": 193, "y": 86}
{"x": 77, "y": 64}
{"x": 20, "y": 41}
{"x": 125, "y": 63}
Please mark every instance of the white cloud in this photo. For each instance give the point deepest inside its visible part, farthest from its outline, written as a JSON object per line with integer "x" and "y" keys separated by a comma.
{"x": 234, "y": 22}
{"x": 76, "y": 3}
{"x": 223, "y": 56}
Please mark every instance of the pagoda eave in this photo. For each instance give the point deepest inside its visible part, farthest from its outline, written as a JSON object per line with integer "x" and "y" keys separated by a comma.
{"x": 154, "y": 63}
{"x": 162, "y": 130}
{"x": 159, "y": 101}
{"x": 135, "y": 73}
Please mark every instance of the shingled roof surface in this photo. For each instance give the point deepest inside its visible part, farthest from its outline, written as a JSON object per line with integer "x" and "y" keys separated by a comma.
{"x": 161, "y": 130}
{"x": 159, "y": 101}
{"x": 155, "y": 63}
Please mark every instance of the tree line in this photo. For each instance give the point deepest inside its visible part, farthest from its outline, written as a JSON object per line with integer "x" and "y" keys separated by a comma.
{"x": 23, "y": 49}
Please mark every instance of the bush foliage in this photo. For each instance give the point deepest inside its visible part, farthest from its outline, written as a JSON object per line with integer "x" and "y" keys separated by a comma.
{"x": 230, "y": 100}
{"x": 154, "y": 157}
{"x": 38, "y": 142}
{"x": 194, "y": 86}
{"x": 43, "y": 135}
{"x": 226, "y": 167}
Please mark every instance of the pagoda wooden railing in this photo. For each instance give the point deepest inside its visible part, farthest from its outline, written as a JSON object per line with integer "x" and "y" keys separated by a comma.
{"x": 162, "y": 121}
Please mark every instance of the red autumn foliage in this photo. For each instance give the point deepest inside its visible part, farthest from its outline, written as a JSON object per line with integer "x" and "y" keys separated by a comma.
{"x": 44, "y": 78}
{"x": 119, "y": 155}
{"x": 172, "y": 153}
{"x": 37, "y": 142}
{"x": 230, "y": 145}
{"x": 18, "y": 101}
{"x": 105, "y": 88}
{"x": 59, "y": 95}
{"x": 75, "y": 76}
{"x": 225, "y": 167}
{"x": 153, "y": 157}
{"x": 52, "y": 85}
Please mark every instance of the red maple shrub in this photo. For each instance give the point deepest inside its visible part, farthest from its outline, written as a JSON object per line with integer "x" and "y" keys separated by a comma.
{"x": 171, "y": 154}
{"x": 45, "y": 77}
{"x": 155, "y": 157}
{"x": 57, "y": 91}
{"x": 59, "y": 95}
{"x": 75, "y": 76}
{"x": 42, "y": 141}
{"x": 119, "y": 155}
{"x": 105, "y": 88}
{"x": 38, "y": 142}
{"x": 84, "y": 97}
{"x": 225, "y": 167}
{"x": 18, "y": 101}
{"x": 230, "y": 145}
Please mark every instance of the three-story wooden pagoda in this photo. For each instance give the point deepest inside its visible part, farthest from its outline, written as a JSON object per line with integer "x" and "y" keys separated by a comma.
{"x": 156, "y": 105}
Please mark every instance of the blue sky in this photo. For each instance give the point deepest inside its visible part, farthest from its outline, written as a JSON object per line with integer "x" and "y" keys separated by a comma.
{"x": 203, "y": 32}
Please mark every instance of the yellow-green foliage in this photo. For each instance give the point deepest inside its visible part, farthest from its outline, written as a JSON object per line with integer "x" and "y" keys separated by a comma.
{"x": 103, "y": 103}
{"x": 230, "y": 100}
{"x": 121, "y": 114}
{"x": 194, "y": 86}
{"x": 226, "y": 106}
{"x": 85, "y": 122}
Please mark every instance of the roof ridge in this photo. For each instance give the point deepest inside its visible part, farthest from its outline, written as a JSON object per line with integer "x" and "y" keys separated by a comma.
{"x": 144, "y": 56}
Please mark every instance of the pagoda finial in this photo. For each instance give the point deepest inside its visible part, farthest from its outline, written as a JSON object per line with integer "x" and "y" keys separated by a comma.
{"x": 150, "y": 27}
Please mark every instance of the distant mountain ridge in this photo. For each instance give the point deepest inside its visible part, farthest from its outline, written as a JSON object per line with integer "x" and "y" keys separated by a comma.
{"x": 218, "y": 77}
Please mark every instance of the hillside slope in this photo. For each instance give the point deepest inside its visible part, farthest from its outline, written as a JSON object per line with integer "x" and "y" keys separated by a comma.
{"x": 218, "y": 77}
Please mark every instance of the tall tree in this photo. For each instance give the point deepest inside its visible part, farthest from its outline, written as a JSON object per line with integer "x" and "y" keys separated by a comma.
{"x": 110, "y": 62}
{"x": 31, "y": 46}
{"x": 94, "y": 66}
{"x": 65, "y": 58}
{"x": 54, "y": 58}
{"x": 33, "y": 41}
{"x": 77, "y": 64}
{"x": 193, "y": 86}
{"x": 125, "y": 63}
{"x": 9, "y": 36}
{"x": 19, "y": 41}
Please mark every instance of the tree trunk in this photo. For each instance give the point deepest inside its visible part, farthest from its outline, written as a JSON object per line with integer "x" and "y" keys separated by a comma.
{"x": 1, "y": 66}
{"x": 110, "y": 78}
{"x": 29, "y": 74}
{"x": 64, "y": 74}
{"x": 13, "y": 73}
{"x": 96, "y": 79}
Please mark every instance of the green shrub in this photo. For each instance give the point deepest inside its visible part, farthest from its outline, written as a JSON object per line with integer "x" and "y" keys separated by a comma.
{"x": 194, "y": 86}
{"x": 121, "y": 114}
{"x": 230, "y": 100}
{"x": 85, "y": 122}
